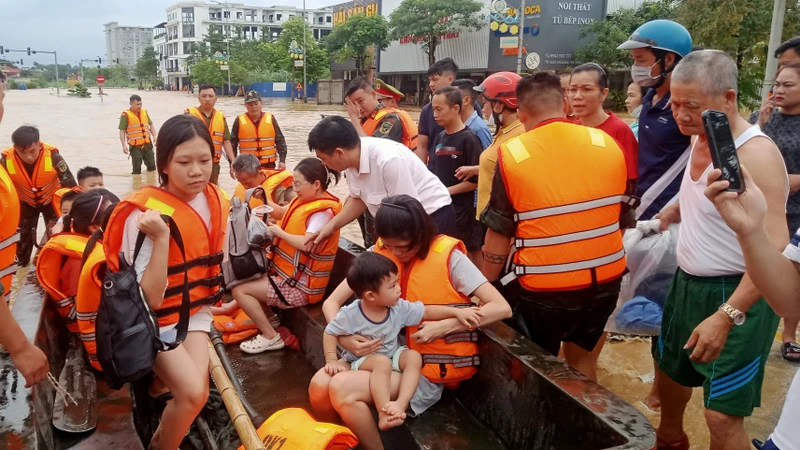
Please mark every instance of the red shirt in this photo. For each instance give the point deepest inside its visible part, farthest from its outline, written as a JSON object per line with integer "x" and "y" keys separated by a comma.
{"x": 622, "y": 133}
{"x": 70, "y": 274}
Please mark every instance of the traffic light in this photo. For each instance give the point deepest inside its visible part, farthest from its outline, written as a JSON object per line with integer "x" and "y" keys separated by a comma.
{"x": 29, "y": 51}
{"x": 21, "y": 62}
{"x": 2, "y": 50}
{"x": 99, "y": 60}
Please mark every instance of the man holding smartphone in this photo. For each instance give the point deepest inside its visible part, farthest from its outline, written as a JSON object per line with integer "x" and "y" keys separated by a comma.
{"x": 717, "y": 328}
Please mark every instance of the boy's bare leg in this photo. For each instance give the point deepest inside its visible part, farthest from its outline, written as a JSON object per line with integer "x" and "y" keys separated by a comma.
{"x": 410, "y": 365}
{"x": 379, "y": 385}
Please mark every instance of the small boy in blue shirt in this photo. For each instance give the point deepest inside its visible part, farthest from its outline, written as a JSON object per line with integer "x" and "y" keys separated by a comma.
{"x": 380, "y": 313}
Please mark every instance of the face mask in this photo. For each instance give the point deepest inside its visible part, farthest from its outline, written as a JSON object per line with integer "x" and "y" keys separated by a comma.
{"x": 641, "y": 75}
{"x": 498, "y": 116}
{"x": 636, "y": 111}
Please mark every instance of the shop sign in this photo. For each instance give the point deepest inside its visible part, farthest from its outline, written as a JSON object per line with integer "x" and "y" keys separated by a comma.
{"x": 509, "y": 42}
{"x": 341, "y": 16}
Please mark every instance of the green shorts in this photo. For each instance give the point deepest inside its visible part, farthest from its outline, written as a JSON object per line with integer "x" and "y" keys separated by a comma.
{"x": 395, "y": 360}
{"x": 732, "y": 383}
{"x": 214, "y": 173}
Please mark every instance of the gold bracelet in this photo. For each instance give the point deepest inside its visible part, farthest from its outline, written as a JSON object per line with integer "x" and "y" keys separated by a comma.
{"x": 331, "y": 351}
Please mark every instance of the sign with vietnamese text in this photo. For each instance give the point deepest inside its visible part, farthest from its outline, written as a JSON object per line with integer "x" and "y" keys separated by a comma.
{"x": 342, "y": 12}
{"x": 509, "y": 42}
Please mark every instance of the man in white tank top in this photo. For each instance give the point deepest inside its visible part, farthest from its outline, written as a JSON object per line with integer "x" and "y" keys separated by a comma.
{"x": 717, "y": 330}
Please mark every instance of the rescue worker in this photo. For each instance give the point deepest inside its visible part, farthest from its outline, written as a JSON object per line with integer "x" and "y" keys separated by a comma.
{"x": 37, "y": 171}
{"x": 137, "y": 134}
{"x": 373, "y": 118}
{"x": 257, "y": 133}
{"x": 558, "y": 190}
{"x": 387, "y": 94}
{"x": 277, "y": 184}
{"x": 217, "y": 127}
{"x": 9, "y": 233}
{"x": 199, "y": 210}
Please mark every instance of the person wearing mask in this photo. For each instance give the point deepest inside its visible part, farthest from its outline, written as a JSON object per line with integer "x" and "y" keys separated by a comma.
{"x": 633, "y": 103}
{"x": 718, "y": 328}
{"x": 184, "y": 158}
{"x": 257, "y": 133}
{"x": 300, "y": 278}
{"x": 471, "y": 117}
{"x": 137, "y": 134}
{"x": 783, "y": 127}
{"x": 217, "y": 126}
{"x": 657, "y": 47}
{"x": 375, "y": 169}
{"x": 568, "y": 260}
{"x": 37, "y": 170}
{"x": 277, "y": 184}
{"x": 434, "y": 269}
{"x": 786, "y": 53}
{"x": 442, "y": 73}
{"x": 588, "y": 89}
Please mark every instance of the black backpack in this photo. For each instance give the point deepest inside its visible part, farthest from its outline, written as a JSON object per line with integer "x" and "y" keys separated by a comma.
{"x": 127, "y": 331}
{"x": 245, "y": 262}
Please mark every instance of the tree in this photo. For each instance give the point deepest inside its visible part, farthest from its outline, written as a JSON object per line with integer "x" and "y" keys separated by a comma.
{"x": 147, "y": 65}
{"x": 317, "y": 61}
{"x": 208, "y": 72}
{"x": 428, "y": 20}
{"x": 213, "y": 42}
{"x": 353, "y": 38}
{"x": 616, "y": 29}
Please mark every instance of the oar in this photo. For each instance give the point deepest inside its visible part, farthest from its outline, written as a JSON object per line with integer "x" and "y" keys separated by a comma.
{"x": 80, "y": 383}
{"x": 219, "y": 345}
{"x": 241, "y": 421}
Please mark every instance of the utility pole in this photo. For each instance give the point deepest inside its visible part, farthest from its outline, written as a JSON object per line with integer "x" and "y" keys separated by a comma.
{"x": 775, "y": 36}
{"x": 521, "y": 35}
{"x": 305, "y": 62}
{"x": 227, "y": 39}
{"x": 33, "y": 52}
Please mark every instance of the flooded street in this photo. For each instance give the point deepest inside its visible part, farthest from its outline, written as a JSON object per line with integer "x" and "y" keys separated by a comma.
{"x": 85, "y": 131}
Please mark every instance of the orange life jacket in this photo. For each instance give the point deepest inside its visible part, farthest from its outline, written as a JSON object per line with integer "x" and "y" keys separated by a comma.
{"x": 566, "y": 183}
{"x": 36, "y": 190}
{"x": 138, "y": 131}
{"x": 9, "y": 235}
{"x": 454, "y": 357}
{"x": 203, "y": 246}
{"x": 48, "y": 272}
{"x": 59, "y": 195}
{"x": 216, "y": 128}
{"x": 235, "y": 328}
{"x": 275, "y": 178}
{"x": 258, "y": 141}
{"x": 295, "y": 429}
{"x": 410, "y": 130}
{"x": 290, "y": 263}
{"x": 88, "y": 300}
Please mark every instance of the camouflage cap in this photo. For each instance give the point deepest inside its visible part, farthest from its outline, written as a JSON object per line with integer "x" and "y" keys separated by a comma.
{"x": 252, "y": 96}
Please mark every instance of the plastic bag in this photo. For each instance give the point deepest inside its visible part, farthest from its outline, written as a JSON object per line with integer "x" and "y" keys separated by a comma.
{"x": 652, "y": 262}
{"x": 258, "y": 234}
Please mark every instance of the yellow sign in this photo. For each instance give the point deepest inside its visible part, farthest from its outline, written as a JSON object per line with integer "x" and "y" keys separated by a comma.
{"x": 530, "y": 9}
{"x": 340, "y": 17}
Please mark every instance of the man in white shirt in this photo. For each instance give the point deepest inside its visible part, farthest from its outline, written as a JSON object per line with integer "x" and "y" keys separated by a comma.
{"x": 375, "y": 169}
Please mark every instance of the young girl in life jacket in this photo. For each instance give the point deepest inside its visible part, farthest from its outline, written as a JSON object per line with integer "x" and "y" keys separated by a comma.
{"x": 300, "y": 276}
{"x": 199, "y": 210}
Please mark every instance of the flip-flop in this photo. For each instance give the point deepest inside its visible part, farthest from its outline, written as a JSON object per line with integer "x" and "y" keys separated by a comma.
{"x": 757, "y": 444}
{"x": 679, "y": 444}
{"x": 788, "y": 349}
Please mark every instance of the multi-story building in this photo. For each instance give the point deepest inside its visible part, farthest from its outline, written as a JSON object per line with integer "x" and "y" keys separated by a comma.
{"x": 125, "y": 45}
{"x": 188, "y": 22}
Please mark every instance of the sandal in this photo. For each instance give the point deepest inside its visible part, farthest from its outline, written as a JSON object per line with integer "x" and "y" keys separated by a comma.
{"x": 680, "y": 444}
{"x": 791, "y": 351}
{"x": 259, "y": 344}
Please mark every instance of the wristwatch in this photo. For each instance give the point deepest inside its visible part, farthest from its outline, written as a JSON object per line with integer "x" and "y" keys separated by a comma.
{"x": 737, "y": 317}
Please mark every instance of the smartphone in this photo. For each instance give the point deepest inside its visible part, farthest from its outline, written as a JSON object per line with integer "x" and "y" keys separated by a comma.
{"x": 723, "y": 149}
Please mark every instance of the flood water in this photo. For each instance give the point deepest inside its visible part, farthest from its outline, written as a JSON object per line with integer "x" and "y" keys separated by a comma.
{"x": 85, "y": 131}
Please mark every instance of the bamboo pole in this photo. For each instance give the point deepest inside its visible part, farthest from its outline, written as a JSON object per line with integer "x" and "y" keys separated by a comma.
{"x": 241, "y": 421}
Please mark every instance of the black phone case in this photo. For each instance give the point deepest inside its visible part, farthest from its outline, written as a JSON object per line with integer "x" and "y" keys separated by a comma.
{"x": 713, "y": 139}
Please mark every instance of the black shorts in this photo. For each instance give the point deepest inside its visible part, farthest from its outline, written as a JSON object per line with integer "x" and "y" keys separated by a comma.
{"x": 550, "y": 318}
{"x": 445, "y": 219}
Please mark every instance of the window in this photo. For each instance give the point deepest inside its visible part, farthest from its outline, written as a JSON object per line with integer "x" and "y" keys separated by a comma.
{"x": 188, "y": 30}
{"x": 271, "y": 18}
{"x": 187, "y": 48}
{"x": 320, "y": 20}
{"x": 239, "y": 15}
{"x": 279, "y": 17}
{"x": 227, "y": 14}
{"x": 187, "y": 15}
{"x": 328, "y": 19}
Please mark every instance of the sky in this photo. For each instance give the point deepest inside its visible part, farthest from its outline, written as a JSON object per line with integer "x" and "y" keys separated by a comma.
{"x": 74, "y": 29}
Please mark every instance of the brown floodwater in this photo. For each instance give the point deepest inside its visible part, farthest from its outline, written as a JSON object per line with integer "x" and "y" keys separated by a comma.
{"x": 85, "y": 131}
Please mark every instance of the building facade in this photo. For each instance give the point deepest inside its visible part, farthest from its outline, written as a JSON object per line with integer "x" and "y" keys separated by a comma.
{"x": 125, "y": 45}
{"x": 188, "y": 22}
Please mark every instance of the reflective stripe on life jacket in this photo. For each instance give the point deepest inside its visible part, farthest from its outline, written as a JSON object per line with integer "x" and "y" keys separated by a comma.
{"x": 203, "y": 246}
{"x": 216, "y": 128}
{"x": 88, "y": 300}
{"x": 48, "y": 272}
{"x": 36, "y": 190}
{"x": 454, "y": 357}
{"x": 258, "y": 141}
{"x": 9, "y": 233}
{"x": 138, "y": 131}
{"x": 290, "y": 263}
{"x": 275, "y": 178}
{"x": 237, "y": 328}
{"x": 410, "y": 130}
{"x": 568, "y": 234}
{"x": 295, "y": 429}
{"x": 59, "y": 194}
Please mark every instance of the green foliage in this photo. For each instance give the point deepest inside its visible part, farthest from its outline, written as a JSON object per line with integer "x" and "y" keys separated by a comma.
{"x": 616, "y": 100}
{"x": 256, "y": 76}
{"x": 36, "y": 83}
{"x": 116, "y": 76}
{"x": 354, "y": 38}
{"x": 147, "y": 66}
{"x": 12, "y": 84}
{"x": 317, "y": 61}
{"x": 213, "y": 42}
{"x": 616, "y": 29}
{"x": 208, "y": 72}
{"x": 79, "y": 90}
{"x": 48, "y": 71}
{"x": 426, "y": 21}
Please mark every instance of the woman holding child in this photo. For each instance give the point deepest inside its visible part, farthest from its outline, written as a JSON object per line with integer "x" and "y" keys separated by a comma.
{"x": 424, "y": 259}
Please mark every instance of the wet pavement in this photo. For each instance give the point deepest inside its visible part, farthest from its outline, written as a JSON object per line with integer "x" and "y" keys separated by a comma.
{"x": 85, "y": 131}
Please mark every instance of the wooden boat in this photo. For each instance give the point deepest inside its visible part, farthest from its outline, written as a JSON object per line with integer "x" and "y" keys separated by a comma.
{"x": 521, "y": 398}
